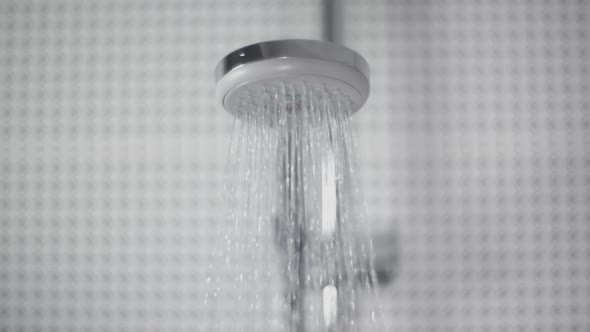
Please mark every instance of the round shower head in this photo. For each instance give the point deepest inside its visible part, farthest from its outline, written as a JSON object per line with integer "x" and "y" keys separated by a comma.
{"x": 322, "y": 65}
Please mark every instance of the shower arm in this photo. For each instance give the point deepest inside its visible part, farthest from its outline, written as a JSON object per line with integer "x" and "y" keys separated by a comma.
{"x": 332, "y": 21}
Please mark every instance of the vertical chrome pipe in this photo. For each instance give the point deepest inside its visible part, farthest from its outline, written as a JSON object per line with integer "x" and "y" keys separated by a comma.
{"x": 332, "y": 21}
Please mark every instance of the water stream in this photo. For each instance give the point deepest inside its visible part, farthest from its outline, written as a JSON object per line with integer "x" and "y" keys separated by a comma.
{"x": 296, "y": 252}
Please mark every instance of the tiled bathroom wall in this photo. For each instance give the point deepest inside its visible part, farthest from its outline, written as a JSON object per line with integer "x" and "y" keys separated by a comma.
{"x": 479, "y": 160}
{"x": 474, "y": 159}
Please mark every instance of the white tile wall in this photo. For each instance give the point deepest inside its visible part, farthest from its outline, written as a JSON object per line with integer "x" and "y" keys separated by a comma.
{"x": 474, "y": 157}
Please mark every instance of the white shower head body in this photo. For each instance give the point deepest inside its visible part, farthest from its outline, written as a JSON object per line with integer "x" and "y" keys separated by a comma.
{"x": 320, "y": 65}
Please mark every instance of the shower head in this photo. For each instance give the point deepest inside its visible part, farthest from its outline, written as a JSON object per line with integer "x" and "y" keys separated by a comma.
{"x": 320, "y": 65}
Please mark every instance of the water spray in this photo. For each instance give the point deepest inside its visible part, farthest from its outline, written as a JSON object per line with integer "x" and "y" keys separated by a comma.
{"x": 293, "y": 99}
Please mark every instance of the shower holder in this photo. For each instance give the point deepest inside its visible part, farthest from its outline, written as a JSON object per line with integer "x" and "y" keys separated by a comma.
{"x": 316, "y": 63}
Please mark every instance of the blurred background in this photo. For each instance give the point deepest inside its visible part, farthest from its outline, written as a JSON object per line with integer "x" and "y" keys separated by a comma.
{"x": 474, "y": 159}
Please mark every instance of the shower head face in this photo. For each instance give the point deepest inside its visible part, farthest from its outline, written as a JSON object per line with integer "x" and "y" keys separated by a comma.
{"x": 324, "y": 67}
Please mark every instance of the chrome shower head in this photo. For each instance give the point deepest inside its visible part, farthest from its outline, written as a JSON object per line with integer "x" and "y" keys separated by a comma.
{"x": 322, "y": 65}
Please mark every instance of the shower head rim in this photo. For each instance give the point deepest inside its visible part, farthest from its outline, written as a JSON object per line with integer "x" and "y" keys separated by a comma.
{"x": 292, "y": 48}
